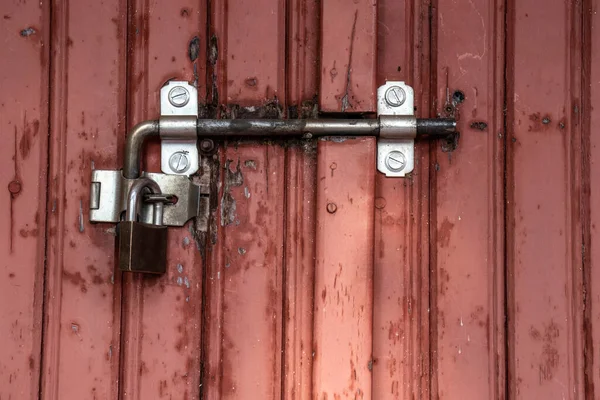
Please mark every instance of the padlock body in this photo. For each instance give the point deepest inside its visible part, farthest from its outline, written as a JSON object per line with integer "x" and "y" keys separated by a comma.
{"x": 142, "y": 247}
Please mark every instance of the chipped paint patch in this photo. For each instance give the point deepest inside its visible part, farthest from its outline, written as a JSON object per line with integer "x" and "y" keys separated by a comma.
{"x": 228, "y": 203}
{"x": 28, "y": 32}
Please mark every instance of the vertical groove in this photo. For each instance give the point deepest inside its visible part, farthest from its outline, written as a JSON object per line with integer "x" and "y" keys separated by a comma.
{"x": 48, "y": 33}
{"x": 127, "y": 121}
{"x": 286, "y": 159}
{"x": 586, "y": 70}
{"x": 505, "y": 203}
{"x": 58, "y": 101}
{"x": 204, "y": 314}
{"x": 433, "y": 381}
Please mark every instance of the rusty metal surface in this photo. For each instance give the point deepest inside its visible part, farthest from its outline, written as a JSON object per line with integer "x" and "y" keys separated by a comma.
{"x": 82, "y": 302}
{"x": 343, "y": 330}
{"x": 467, "y": 223}
{"x": 244, "y": 279}
{"x": 161, "y": 324}
{"x": 401, "y": 267}
{"x": 348, "y": 56}
{"x": 591, "y": 199}
{"x": 318, "y": 278}
{"x": 300, "y": 214}
{"x": 23, "y": 123}
{"x": 544, "y": 182}
{"x": 246, "y": 59}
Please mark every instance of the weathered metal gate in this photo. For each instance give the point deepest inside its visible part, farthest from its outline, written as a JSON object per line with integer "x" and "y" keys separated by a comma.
{"x": 472, "y": 279}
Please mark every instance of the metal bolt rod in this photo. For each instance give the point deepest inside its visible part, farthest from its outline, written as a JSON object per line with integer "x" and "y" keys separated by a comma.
{"x": 133, "y": 147}
{"x": 314, "y": 127}
{"x": 435, "y": 127}
{"x": 307, "y": 128}
{"x": 286, "y": 128}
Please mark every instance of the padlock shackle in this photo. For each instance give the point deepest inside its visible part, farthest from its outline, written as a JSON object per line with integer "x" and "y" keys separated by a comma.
{"x": 135, "y": 199}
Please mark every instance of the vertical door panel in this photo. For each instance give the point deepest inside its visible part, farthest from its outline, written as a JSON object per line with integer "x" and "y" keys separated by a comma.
{"x": 24, "y": 127}
{"x": 162, "y": 315}
{"x": 401, "y": 269}
{"x": 544, "y": 182}
{"x": 244, "y": 279}
{"x": 467, "y": 205}
{"x": 81, "y": 341}
{"x": 348, "y": 55}
{"x": 343, "y": 328}
{"x": 300, "y": 197}
{"x": 591, "y": 204}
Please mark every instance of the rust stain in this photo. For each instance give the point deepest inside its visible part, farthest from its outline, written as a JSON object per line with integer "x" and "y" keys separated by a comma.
{"x": 76, "y": 279}
{"x": 26, "y": 233}
{"x": 550, "y": 357}
{"x": 28, "y": 32}
{"x": 194, "y": 48}
{"x": 538, "y": 122}
{"x": 251, "y": 82}
{"x": 228, "y": 203}
{"x": 479, "y": 125}
{"x": 333, "y": 72}
{"x": 444, "y": 233}
{"x": 345, "y": 99}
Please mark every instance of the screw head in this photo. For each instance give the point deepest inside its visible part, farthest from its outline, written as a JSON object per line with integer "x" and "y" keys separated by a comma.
{"x": 14, "y": 187}
{"x": 179, "y": 96}
{"x": 179, "y": 162}
{"x": 395, "y": 96}
{"x": 331, "y": 208}
{"x": 207, "y": 145}
{"x": 395, "y": 161}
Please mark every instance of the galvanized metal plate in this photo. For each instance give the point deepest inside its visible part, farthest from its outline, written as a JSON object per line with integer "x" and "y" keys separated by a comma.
{"x": 108, "y": 197}
{"x": 179, "y": 155}
{"x": 395, "y": 157}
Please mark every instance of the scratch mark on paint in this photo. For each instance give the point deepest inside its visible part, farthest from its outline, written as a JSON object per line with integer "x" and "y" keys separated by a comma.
{"x": 345, "y": 102}
{"x": 475, "y": 56}
{"x": 81, "y": 227}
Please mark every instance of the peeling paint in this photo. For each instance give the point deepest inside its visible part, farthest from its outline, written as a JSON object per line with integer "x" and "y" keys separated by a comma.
{"x": 345, "y": 99}
{"x": 194, "y": 48}
{"x": 28, "y": 32}
{"x": 228, "y": 203}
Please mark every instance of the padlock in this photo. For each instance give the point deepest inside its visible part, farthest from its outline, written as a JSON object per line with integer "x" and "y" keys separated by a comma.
{"x": 142, "y": 247}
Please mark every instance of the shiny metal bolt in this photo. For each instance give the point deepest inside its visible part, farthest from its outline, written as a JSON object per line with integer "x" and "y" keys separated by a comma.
{"x": 395, "y": 161}
{"x": 395, "y": 96}
{"x": 179, "y": 162}
{"x": 179, "y": 96}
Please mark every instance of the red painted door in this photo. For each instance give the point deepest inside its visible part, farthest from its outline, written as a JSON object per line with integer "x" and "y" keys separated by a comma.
{"x": 315, "y": 276}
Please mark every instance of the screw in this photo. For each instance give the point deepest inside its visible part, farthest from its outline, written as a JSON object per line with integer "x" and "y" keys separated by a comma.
{"x": 179, "y": 162}
{"x": 331, "y": 208}
{"x": 179, "y": 96}
{"x": 207, "y": 145}
{"x": 395, "y": 161}
{"x": 14, "y": 187}
{"x": 395, "y": 96}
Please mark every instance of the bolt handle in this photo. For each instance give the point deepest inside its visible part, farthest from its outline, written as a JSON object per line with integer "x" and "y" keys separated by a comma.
{"x": 435, "y": 127}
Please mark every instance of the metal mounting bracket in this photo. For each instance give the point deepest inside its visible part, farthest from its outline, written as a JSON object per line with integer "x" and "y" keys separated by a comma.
{"x": 396, "y": 144}
{"x": 109, "y": 190}
{"x": 179, "y": 151}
